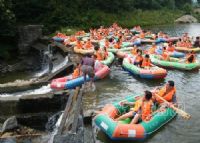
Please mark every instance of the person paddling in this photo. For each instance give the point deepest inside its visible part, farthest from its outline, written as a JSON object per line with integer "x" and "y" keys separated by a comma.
{"x": 167, "y": 92}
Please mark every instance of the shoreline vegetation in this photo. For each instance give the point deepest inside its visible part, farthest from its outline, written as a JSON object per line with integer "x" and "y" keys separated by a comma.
{"x": 144, "y": 18}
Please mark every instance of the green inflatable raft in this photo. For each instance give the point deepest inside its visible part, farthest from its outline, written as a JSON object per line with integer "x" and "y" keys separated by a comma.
{"x": 174, "y": 63}
{"x": 109, "y": 60}
{"x": 122, "y": 130}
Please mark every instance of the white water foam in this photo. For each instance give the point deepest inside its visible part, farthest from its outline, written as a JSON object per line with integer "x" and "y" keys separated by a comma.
{"x": 42, "y": 90}
{"x": 56, "y": 129}
{"x": 55, "y": 68}
{"x": 59, "y": 66}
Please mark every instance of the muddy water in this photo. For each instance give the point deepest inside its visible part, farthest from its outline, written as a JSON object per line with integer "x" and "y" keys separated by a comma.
{"x": 120, "y": 84}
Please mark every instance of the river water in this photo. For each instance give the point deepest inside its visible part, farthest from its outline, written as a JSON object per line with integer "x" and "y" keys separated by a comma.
{"x": 120, "y": 84}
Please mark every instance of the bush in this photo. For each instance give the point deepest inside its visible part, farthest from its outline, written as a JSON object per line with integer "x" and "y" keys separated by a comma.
{"x": 187, "y": 8}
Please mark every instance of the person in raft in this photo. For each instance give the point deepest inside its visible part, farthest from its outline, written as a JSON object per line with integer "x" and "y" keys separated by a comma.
{"x": 142, "y": 109}
{"x": 164, "y": 55}
{"x": 197, "y": 42}
{"x": 98, "y": 52}
{"x": 190, "y": 58}
{"x": 98, "y": 65}
{"x": 138, "y": 59}
{"x": 168, "y": 92}
{"x": 77, "y": 71}
{"x": 152, "y": 49}
{"x": 87, "y": 68}
{"x": 146, "y": 63}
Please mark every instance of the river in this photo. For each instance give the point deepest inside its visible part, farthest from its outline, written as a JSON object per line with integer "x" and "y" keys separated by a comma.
{"x": 120, "y": 84}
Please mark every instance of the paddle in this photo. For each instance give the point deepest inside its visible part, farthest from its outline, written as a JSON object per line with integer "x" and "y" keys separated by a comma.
{"x": 179, "y": 111}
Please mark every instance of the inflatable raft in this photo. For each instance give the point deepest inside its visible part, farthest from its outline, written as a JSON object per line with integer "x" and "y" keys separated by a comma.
{"x": 174, "y": 63}
{"x": 69, "y": 83}
{"x": 185, "y": 49}
{"x": 152, "y": 73}
{"x": 83, "y": 51}
{"x": 113, "y": 50}
{"x": 171, "y": 54}
{"x": 122, "y": 130}
{"x": 109, "y": 60}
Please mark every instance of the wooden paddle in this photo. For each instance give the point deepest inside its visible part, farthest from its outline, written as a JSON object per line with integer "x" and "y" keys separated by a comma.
{"x": 179, "y": 111}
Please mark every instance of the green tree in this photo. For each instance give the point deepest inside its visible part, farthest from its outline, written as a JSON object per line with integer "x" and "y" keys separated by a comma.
{"x": 7, "y": 18}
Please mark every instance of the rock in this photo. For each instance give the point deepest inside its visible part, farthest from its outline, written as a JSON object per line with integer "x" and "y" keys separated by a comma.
{"x": 88, "y": 115}
{"x": 27, "y": 35}
{"x": 9, "y": 124}
{"x": 197, "y": 10}
{"x": 7, "y": 134}
{"x": 186, "y": 19}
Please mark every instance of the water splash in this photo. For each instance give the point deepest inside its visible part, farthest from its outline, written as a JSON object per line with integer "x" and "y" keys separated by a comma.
{"x": 54, "y": 122}
{"x": 59, "y": 66}
{"x": 42, "y": 90}
{"x": 55, "y": 68}
{"x": 54, "y": 132}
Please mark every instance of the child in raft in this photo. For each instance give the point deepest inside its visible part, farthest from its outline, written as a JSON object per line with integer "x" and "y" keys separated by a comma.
{"x": 146, "y": 63}
{"x": 142, "y": 109}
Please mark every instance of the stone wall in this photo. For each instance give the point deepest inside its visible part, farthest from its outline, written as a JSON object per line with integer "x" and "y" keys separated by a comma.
{"x": 27, "y": 36}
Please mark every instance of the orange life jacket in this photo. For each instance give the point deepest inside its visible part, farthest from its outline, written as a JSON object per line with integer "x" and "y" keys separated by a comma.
{"x": 166, "y": 95}
{"x": 138, "y": 58}
{"x": 79, "y": 45}
{"x": 76, "y": 73}
{"x": 152, "y": 50}
{"x": 134, "y": 51}
{"x": 72, "y": 38}
{"x": 165, "y": 55}
{"x": 117, "y": 46}
{"x": 146, "y": 110}
{"x": 99, "y": 55}
{"x": 142, "y": 35}
{"x": 146, "y": 63}
{"x": 88, "y": 45}
{"x": 171, "y": 48}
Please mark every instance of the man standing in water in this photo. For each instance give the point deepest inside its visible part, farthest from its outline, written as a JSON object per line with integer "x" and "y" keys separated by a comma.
{"x": 87, "y": 68}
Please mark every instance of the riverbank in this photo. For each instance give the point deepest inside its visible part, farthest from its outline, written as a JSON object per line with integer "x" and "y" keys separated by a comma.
{"x": 143, "y": 18}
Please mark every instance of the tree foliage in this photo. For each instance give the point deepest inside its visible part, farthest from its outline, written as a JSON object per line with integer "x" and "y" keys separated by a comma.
{"x": 7, "y": 18}
{"x": 58, "y": 13}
